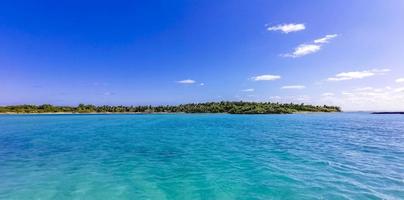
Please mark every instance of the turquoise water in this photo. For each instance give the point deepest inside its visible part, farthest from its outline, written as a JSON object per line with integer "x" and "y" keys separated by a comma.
{"x": 202, "y": 156}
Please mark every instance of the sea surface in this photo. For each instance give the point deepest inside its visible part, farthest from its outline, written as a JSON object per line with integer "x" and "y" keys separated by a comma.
{"x": 202, "y": 156}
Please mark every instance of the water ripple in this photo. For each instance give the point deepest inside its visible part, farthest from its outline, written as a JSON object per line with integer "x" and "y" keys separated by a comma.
{"x": 305, "y": 156}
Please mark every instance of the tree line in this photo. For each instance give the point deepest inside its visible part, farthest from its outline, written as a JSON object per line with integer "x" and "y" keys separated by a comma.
{"x": 232, "y": 107}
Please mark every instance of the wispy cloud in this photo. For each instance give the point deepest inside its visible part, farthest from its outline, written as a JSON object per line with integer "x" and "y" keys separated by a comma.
{"x": 400, "y": 80}
{"x": 187, "y": 81}
{"x": 399, "y": 89}
{"x": 368, "y": 98}
{"x": 327, "y": 94}
{"x": 287, "y": 28}
{"x": 325, "y": 39}
{"x": 299, "y": 87}
{"x": 364, "y": 89}
{"x": 274, "y": 97}
{"x": 201, "y": 84}
{"x": 351, "y": 75}
{"x": 266, "y": 77}
{"x": 309, "y": 48}
{"x": 357, "y": 74}
{"x": 248, "y": 90}
{"x": 288, "y": 99}
{"x": 303, "y": 49}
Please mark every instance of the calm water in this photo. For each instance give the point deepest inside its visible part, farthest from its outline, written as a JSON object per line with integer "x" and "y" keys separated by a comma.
{"x": 218, "y": 156}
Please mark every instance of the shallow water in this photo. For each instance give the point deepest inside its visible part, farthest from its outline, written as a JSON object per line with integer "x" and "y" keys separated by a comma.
{"x": 202, "y": 156}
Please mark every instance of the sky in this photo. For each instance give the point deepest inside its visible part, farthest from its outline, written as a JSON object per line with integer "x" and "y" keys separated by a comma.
{"x": 341, "y": 52}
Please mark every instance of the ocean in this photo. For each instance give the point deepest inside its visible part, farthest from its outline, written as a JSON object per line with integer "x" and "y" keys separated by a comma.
{"x": 202, "y": 156}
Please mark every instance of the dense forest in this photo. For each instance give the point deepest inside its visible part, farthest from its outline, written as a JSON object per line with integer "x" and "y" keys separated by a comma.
{"x": 210, "y": 107}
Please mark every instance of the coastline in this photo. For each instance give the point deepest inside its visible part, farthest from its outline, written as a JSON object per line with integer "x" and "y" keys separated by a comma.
{"x": 77, "y": 113}
{"x": 231, "y": 107}
{"x": 145, "y": 113}
{"x": 388, "y": 113}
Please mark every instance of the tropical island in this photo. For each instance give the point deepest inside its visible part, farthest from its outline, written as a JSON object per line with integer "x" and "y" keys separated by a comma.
{"x": 231, "y": 107}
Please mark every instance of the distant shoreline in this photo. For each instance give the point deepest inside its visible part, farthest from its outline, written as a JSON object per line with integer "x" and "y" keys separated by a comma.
{"x": 90, "y": 113}
{"x": 147, "y": 113}
{"x": 230, "y": 107}
{"x": 388, "y": 113}
{"x": 83, "y": 113}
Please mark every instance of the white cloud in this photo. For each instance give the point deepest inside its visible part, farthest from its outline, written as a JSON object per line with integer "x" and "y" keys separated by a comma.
{"x": 347, "y": 93}
{"x": 368, "y": 98}
{"x": 381, "y": 71}
{"x": 293, "y": 87}
{"x": 304, "y": 49}
{"x": 325, "y": 39}
{"x": 187, "y": 81}
{"x": 248, "y": 90}
{"x": 309, "y": 48}
{"x": 287, "y": 28}
{"x": 295, "y": 99}
{"x": 400, "y": 80}
{"x": 274, "y": 97}
{"x": 201, "y": 84}
{"x": 399, "y": 89}
{"x": 303, "y": 98}
{"x": 266, "y": 77}
{"x": 288, "y": 99}
{"x": 364, "y": 89}
{"x": 351, "y": 75}
{"x": 357, "y": 74}
{"x": 327, "y": 94}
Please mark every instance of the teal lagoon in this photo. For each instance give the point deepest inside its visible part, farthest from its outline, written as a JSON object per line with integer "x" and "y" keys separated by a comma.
{"x": 202, "y": 156}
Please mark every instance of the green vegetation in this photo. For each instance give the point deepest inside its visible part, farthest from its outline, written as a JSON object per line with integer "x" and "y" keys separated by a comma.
{"x": 210, "y": 107}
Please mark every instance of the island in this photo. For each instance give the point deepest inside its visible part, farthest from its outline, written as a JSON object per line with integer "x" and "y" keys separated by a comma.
{"x": 231, "y": 107}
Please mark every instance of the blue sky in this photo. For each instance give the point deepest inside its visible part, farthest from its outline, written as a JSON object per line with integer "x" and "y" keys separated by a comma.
{"x": 347, "y": 53}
